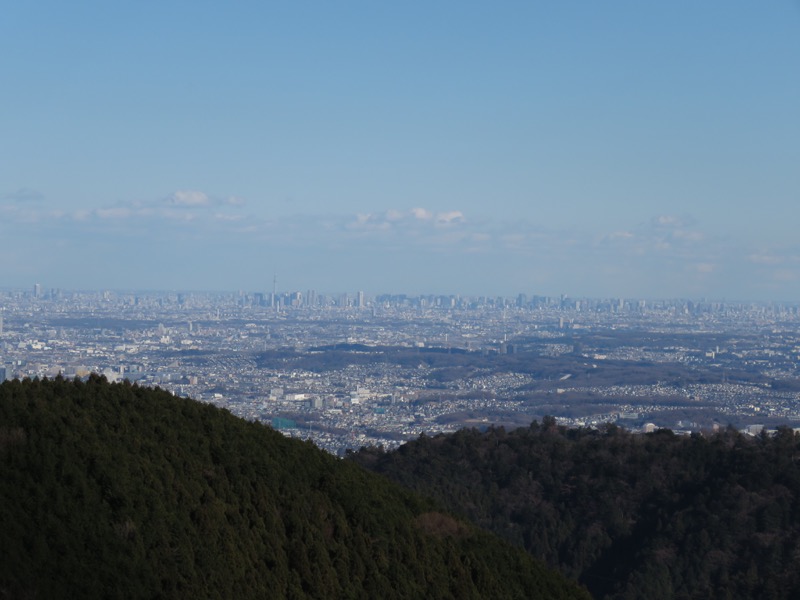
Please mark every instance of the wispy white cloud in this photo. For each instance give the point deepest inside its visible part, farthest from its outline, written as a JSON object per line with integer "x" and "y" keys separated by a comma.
{"x": 664, "y": 235}
{"x": 186, "y": 206}
{"x": 195, "y": 199}
{"x": 410, "y": 222}
{"x": 660, "y": 254}
{"x": 620, "y": 235}
{"x": 452, "y": 217}
{"x": 689, "y": 236}
{"x": 671, "y": 221}
{"x": 188, "y": 198}
{"x": 765, "y": 258}
{"x": 704, "y": 267}
{"x": 226, "y": 217}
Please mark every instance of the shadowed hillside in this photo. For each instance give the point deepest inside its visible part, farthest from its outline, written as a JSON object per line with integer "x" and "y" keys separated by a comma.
{"x": 628, "y": 515}
{"x": 117, "y": 491}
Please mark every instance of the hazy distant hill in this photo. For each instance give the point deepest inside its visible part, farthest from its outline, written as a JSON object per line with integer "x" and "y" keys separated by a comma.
{"x": 630, "y": 516}
{"x": 116, "y": 491}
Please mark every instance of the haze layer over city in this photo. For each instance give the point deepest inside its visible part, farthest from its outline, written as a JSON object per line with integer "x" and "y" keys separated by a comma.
{"x": 353, "y": 369}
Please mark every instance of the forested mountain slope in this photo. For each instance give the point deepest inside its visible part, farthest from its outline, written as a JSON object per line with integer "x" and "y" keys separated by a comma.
{"x": 117, "y": 491}
{"x": 628, "y": 515}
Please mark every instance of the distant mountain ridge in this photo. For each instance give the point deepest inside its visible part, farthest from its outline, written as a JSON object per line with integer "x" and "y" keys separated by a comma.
{"x": 118, "y": 491}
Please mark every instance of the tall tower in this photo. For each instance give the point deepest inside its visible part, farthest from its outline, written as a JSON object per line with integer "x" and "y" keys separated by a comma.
{"x": 37, "y": 290}
{"x": 361, "y": 300}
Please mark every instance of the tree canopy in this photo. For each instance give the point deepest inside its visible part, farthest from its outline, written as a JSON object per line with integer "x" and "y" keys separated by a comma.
{"x": 629, "y": 515}
{"x": 119, "y": 491}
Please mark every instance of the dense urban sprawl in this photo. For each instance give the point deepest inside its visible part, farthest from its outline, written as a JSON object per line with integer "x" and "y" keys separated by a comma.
{"x": 349, "y": 370}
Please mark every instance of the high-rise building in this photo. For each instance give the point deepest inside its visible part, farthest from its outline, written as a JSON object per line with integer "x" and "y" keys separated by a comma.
{"x": 361, "y": 303}
{"x": 37, "y": 290}
{"x": 1, "y": 325}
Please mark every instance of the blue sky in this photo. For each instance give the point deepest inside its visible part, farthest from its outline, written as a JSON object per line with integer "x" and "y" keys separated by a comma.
{"x": 622, "y": 148}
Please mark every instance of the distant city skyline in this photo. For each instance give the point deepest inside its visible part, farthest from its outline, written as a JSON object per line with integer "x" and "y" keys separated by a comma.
{"x": 308, "y": 296}
{"x": 597, "y": 150}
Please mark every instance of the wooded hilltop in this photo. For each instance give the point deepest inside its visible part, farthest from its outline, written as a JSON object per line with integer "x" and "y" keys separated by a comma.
{"x": 628, "y": 515}
{"x": 119, "y": 491}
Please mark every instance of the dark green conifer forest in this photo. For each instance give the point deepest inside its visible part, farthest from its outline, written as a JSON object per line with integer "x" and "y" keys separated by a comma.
{"x": 117, "y": 491}
{"x": 628, "y": 515}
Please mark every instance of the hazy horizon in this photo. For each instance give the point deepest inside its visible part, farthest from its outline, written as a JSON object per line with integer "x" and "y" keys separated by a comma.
{"x": 334, "y": 295}
{"x": 594, "y": 150}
